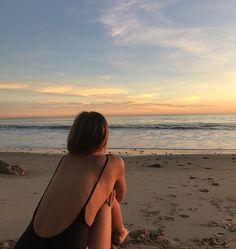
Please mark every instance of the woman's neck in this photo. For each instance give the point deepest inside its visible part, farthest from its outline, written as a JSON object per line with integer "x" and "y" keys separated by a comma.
{"x": 100, "y": 152}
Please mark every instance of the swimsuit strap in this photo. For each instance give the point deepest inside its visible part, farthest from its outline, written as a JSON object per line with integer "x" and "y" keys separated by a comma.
{"x": 97, "y": 181}
{"x": 48, "y": 184}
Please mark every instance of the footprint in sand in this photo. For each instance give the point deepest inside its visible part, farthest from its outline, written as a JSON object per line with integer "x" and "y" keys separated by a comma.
{"x": 184, "y": 215}
{"x": 149, "y": 213}
{"x": 212, "y": 224}
{"x": 124, "y": 203}
{"x": 218, "y": 241}
{"x": 232, "y": 229}
{"x": 129, "y": 225}
{"x": 173, "y": 211}
{"x": 210, "y": 179}
{"x": 3, "y": 203}
{"x": 193, "y": 209}
{"x": 156, "y": 165}
{"x": 7, "y": 244}
{"x": 204, "y": 190}
{"x": 167, "y": 218}
{"x": 219, "y": 234}
{"x": 215, "y": 184}
{"x": 144, "y": 238}
{"x": 172, "y": 195}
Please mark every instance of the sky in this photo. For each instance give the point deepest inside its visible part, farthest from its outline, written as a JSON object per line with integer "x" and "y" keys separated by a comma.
{"x": 118, "y": 57}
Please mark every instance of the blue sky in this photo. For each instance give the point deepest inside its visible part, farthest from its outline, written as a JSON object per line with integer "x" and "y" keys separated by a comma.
{"x": 118, "y": 57}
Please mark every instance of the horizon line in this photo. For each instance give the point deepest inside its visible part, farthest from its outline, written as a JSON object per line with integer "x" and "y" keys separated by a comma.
{"x": 120, "y": 115}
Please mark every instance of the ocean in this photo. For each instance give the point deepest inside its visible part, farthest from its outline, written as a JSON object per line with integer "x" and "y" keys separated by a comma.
{"x": 211, "y": 131}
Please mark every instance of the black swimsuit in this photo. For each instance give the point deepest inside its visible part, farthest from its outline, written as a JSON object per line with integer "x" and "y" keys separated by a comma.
{"x": 75, "y": 236}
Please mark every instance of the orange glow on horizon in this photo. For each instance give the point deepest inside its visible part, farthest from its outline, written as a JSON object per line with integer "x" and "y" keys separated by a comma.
{"x": 59, "y": 112}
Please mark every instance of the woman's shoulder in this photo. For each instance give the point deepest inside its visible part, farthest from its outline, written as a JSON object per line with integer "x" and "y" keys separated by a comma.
{"x": 117, "y": 161}
{"x": 115, "y": 158}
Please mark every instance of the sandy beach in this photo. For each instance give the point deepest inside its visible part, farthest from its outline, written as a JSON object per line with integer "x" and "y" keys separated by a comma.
{"x": 173, "y": 200}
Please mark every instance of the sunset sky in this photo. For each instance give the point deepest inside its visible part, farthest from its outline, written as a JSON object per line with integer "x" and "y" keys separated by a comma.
{"x": 59, "y": 57}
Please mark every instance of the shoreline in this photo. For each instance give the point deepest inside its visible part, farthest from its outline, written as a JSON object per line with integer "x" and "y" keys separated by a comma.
{"x": 121, "y": 151}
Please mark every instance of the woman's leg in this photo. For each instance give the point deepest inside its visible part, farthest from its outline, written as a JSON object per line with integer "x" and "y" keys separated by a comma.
{"x": 100, "y": 232}
{"x": 117, "y": 221}
{"x": 108, "y": 219}
{"x": 119, "y": 232}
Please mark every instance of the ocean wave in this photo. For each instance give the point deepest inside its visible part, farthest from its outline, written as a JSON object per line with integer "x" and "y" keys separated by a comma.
{"x": 182, "y": 126}
{"x": 179, "y": 126}
{"x": 35, "y": 127}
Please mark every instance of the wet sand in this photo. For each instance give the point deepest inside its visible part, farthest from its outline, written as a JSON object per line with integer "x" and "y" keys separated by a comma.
{"x": 172, "y": 200}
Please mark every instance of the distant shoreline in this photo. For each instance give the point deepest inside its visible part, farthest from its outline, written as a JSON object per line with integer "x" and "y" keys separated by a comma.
{"x": 120, "y": 151}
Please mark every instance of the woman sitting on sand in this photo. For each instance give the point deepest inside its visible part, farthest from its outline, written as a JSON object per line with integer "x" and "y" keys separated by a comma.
{"x": 80, "y": 206}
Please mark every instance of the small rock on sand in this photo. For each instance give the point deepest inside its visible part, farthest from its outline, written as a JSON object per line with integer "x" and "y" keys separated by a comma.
{"x": 204, "y": 190}
{"x": 7, "y": 244}
{"x": 215, "y": 184}
{"x": 184, "y": 215}
{"x": 156, "y": 165}
{"x": 6, "y": 168}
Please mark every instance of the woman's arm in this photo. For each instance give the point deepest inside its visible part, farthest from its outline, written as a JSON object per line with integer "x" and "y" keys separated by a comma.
{"x": 120, "y": 185}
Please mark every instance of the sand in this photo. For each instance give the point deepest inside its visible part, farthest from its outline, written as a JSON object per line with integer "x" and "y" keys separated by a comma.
{"x": 172, "y": 200}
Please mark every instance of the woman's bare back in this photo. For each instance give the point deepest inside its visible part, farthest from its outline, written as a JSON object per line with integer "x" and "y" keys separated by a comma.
{"x": 70, "y": 189}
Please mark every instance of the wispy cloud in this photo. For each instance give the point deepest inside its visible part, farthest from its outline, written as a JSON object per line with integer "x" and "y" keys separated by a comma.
{"x": 101, "y": 77}
{"x": 144, "y": 22}
{"x": 65, "y": 89}
{"x": 13, "y": 86}
{"x": 54, "y": 108}
{"x": 80, "y": 91}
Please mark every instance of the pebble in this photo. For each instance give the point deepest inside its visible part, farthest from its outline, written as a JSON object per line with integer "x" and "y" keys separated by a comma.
{"x": 156, "y": 165}
{"x": 205, "y": 190}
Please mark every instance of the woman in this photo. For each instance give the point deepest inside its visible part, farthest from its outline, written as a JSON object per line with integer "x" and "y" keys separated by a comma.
{"x": 80, "y": 206}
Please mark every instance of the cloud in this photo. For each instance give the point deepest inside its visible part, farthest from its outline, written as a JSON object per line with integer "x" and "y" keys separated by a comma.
{"x": 189, "y": 100}
{"x": 102, "y": 77}
{"x": 65, "y": 89}
{"x": 13, "y": 86}
{"x": 145, "y": 22}
{"x": 139, "y": 98}
{"x": 75, "y": 90}
{"x": 54, "y": 108}
{"x": 143, "y": 98}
